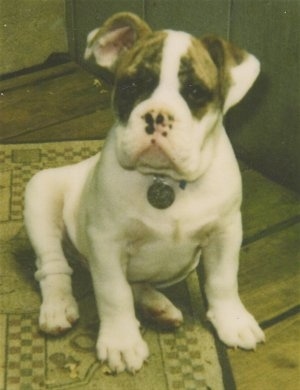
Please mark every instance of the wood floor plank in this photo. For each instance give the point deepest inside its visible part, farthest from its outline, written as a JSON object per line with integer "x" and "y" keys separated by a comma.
{"x": 35, "y": 77}
{"x": 49, "y": 101}
{"x": 265, "y": 203}
{"x": 274, "y": 365}
{"x": 85, "y": 127}
{"x": 269, "y": 277}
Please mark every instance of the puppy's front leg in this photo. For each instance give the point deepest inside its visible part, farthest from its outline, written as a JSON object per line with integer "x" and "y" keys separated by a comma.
{"x": 119, "y": 342}
{"x": 235, "y": 326}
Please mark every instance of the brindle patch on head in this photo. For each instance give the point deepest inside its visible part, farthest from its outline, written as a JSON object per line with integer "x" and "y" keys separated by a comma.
{"x": 198, "y": 78}
{"x": 137, "y": 74}
{"x": 225, "y": 55}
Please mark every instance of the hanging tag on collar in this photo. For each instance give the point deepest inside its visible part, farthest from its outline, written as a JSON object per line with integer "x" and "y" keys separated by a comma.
{"x": 160, "y": 195}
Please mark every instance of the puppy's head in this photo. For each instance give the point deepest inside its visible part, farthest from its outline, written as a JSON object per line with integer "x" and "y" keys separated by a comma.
{"x": 171, "y": 91}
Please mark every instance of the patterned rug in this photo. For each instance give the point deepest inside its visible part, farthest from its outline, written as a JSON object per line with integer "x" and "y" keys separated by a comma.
{"x": 183, "y": 359}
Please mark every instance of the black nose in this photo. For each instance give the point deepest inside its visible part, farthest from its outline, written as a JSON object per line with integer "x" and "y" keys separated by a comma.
{"x": 150, "y": 123}
{"x": 158, "y": 121}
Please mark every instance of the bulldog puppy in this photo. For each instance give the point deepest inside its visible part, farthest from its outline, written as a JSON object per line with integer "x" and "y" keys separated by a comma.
{"x": 165, "y": 189}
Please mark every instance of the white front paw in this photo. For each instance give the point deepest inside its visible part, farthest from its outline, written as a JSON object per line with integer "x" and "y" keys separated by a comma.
{"x": 122, "y": 347}
{"x": 58, "y": 314}
{"x": 235, "y": 326}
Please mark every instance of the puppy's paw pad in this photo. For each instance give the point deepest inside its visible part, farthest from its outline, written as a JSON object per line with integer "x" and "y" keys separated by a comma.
{"x": 58, "y": 315}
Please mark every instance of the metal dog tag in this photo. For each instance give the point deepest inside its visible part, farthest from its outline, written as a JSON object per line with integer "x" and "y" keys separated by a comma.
{"x": 160, "y": 195}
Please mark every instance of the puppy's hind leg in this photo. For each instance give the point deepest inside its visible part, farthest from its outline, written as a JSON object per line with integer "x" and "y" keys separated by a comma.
{"x": 155, "y": 306}
{"x": 44, "y": 200}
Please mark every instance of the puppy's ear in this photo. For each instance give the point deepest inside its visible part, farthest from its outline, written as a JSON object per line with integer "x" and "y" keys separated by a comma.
{"x": 118, "y": 34}
{"x": 237, "y": 69}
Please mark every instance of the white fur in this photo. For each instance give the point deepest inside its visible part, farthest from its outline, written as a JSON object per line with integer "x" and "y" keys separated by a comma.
{"x": 175, "y": 47}
{"x": 242, "y": 78}
{"x": 102, "y": 204}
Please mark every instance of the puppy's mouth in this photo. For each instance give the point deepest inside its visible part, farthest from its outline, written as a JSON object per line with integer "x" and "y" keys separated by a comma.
{"x": 155, "y": 156}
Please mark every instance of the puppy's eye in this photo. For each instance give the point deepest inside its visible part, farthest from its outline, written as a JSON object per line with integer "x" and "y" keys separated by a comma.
{"x": 132, "y": 89}
{"x": 196, "y": 94}
{"x": 136, "y": 86}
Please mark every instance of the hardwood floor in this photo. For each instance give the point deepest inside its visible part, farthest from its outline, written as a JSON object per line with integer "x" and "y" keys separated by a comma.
{"x": 60, "y": 103}
{"x": 66, "y": 103}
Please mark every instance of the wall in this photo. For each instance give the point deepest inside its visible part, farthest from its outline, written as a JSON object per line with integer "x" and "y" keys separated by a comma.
{"x": 176, "y": 14}
{"x": 30, "y": 31}
{"x": 264, "y": 128}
